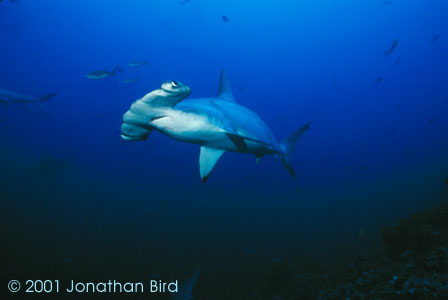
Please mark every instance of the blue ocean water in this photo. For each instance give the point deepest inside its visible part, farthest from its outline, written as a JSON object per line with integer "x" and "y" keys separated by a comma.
{"x": 77, "y": 201}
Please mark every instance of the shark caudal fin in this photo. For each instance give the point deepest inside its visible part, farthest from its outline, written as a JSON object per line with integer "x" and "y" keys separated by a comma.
{"x": 46, "y": 97}
{"x": 116, "y": 69}
{"x": 288, "y": 146}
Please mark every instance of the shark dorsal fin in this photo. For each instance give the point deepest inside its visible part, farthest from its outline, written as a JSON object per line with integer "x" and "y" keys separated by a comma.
{"x": 207, "y": 161}
{"x": 224, "y": 91}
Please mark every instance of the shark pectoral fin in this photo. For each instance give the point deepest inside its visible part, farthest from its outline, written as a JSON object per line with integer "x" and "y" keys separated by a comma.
{"x": 258, "y": 159}
{"x": 224, "y": 90}
{"x": 4, "y": 102}
{"x": 207, "y": 161}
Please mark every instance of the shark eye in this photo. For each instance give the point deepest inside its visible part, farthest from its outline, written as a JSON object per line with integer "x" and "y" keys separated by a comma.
{"x": 174, "y": 83}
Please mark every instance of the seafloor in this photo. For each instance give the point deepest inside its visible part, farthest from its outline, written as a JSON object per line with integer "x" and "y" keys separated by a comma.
{"x": 411, "y": 263}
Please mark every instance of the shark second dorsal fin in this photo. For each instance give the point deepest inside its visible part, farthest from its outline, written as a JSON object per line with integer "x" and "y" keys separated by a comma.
{"x": 224, "y": 91}
{"x": 207, "y": 161}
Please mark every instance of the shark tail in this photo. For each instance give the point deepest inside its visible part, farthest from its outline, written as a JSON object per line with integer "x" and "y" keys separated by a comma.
{"x": 116, "y": 69}
{"x": 45, "y": 98}
{"x": 288, "y": 146}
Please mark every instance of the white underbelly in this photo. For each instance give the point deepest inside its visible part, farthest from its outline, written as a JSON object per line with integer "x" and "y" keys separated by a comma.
{"x": 186, "y": 127}
{"x": 197, "y": 129}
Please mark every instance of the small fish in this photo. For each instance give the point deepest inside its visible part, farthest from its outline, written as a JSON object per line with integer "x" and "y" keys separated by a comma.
{"x": 67, "y": 260}
{"x": 361, "y": 233}
{"x": 186, "y": 287}
{"x": 7, "y": 97}
{"x": 379, "y": 79}
{"x": 101, "y": 74}
{"x": 100, "y": 115}
{"x": 48, "y": 165}
{"x": 392, "y": 47}
{"x": 225, "y": 19}
{"x": 397, "y": 61}
{"x": 135, "y": 64}
{"x": 435, "y": 38}
{"x": 409, "y": 152}
{"x": 131, "y": 80}
{"x": 430, "y": 121}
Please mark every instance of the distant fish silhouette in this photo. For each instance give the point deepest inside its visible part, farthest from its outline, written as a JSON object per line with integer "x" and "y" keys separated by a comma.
{"x": 225, "y": 19}
{"x": 131, "y": 80}
{"x": 361, "y": 233}
{"x": 100, "y": 115}
{"x": 392, "y": 47}
{"x": 48, "y": 165}
{"x": 379, "y": 79}
{"x": 186, "y": 287}
{"x": 435, "y": 38}
{"x": 7, "y": 97}
{"x": 135, "y": 64}
{"x": 67, "y": 260}
{"x": 101, "y": 74}
{"x": 430, "y": 121}
{"x": 397, "y": 61}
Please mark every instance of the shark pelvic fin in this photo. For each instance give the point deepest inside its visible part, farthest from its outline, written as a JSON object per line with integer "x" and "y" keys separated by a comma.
{"x": 224, "y": 91}
{"x": 207, "y": 161}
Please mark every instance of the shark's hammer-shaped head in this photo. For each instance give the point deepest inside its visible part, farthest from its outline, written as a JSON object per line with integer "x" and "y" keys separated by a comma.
{"x": 137, "y": 120}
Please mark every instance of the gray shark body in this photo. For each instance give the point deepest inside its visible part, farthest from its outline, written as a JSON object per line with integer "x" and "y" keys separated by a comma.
{"x": 7, "y": 97}
{"x": 218, "y": 124}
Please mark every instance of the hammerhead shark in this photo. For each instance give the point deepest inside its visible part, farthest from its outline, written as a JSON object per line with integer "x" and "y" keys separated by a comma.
{"x": 217, "y": 124}
{"x": 7, "y": 97}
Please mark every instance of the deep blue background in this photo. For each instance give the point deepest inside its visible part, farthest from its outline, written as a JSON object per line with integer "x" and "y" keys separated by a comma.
{"x": 375, "y": 152}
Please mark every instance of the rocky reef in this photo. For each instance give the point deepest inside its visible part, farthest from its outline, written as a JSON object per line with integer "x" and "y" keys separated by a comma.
{"x": 411, "y": 264}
